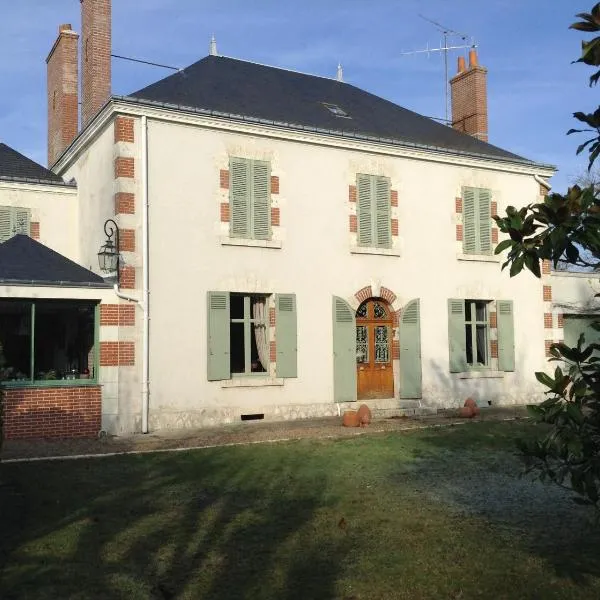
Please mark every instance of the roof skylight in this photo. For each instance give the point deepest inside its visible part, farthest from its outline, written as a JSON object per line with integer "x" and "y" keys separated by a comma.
{"x": 336, "y": 110}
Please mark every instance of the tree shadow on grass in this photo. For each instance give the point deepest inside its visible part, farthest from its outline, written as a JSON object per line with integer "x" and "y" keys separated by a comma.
{"x": 474, "y": 470}
{"x": 210, "y": 524}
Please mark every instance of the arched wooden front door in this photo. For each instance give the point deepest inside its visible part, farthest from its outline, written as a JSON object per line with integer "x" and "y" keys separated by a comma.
{"x": 375, "y": 374}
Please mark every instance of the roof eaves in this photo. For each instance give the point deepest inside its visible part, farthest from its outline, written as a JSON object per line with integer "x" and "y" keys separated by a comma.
{"x": 346, "y": 134}
{"x": 48, "y": 283}
{"x": 11, "y": 179}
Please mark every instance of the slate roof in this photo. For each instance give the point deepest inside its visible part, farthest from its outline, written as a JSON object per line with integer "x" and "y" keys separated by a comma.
{"x": 250, "y": 90}
{"x": 14, "y": 165}
{"x": 24, "y": 261}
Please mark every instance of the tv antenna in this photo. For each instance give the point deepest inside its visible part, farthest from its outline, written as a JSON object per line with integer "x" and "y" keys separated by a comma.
{"x": 447, "y": 32}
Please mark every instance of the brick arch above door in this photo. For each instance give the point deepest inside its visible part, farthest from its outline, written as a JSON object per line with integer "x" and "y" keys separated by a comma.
{"x": 374, "y": 291}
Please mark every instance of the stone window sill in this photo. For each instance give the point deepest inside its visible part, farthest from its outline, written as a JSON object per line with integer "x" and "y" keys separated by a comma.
{"x": 229, "y": 241}
{"x": 380, "y": 251}
{"x": 480, "y": 375}
{"x": 238, "y": 382}
{"x": 479, "y": 257}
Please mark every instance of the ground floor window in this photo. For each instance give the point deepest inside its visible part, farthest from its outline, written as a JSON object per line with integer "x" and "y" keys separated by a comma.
{"x": 476, "y": 333}
{"x": 249, "y": 337}
{"x": 48, "y": 340}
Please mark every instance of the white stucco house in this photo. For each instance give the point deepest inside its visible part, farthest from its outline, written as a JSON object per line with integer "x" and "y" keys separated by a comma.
{"x": 289, "y": 245}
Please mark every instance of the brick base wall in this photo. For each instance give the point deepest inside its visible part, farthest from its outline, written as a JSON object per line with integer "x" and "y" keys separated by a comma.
{"x": 61, "y": 412}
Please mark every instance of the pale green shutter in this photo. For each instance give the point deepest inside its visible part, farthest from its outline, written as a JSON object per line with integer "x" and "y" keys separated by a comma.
{"x": 410, "y": 351}
{"x": 456, "y": 335}
{"x": 240, "y": 186}
{"x": 363, "y": 210}
{"x": 344, "y": 351}
{"x": 484, "y": 208}
{"x": 382, "y": 206}
{"x": 469, "y": 221}
{"x": 5, "y": 223}
{"x": 286, "y": 335}
{"x": 219, "y": 366}
{"x": 506, "y": 335}
{"x": 22, "y": 221}
{"x": 261, "y": 200}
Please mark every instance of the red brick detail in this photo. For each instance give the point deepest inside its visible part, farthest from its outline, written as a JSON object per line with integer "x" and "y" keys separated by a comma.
{"x": 274, "y": 184}
{"x": 543, "y": 191}
{"x": 494, "y": 209}
{"x": 272, "y": 351}
{"x": 275, "y": 216}
{"x": 395, "y": 350}
{"x": 494, "y": 348}
{"x": 458, "y": 205}
{"x": 35, "y": 230}
{"x": 95, "y": 60}
{"x": 493, "y": 320}
{"x": 459, "y": 233}
{"x": 127, "y": 278}
{"x": 387, "y": 295}
{"x": 124, "y": 203}
{"x": 117, "y": 354}
{"x": 353, "y": 224}
{"x": 547, "y": 345}
{"x": 394, "y": 197}
{"x": 117, "y": 314}
{"x": 352, "y": 193}
{"x": 396, "y": 316}
{"x": 364, "y": 294}
{"x": 124, "y": 167}
{"x": 124, "y": 129}
{"x": 224, "y": 179}
{"x": 494, "y": 235}
{"x": 127, "y": 240}
{"x": 395, "y": 227}
{"x": 58, "y": 412}
{"x": 546, "y": 269}
{"x": 548, "y": 320}
{"x": 271, "y": 317}
{"x": 63, "y": 96}
{"x": 561, "y": 321}
{"x": 547, "y": 293}
{"x": 224, "y": 212}
{"x": 469, "y": 101}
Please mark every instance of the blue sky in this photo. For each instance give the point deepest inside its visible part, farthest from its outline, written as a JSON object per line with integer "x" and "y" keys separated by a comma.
{"x": 526, "y": 46}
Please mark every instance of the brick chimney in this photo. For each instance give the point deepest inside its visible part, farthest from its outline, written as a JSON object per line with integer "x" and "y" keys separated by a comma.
{"x": 95, "y": 57}
{"x": 63, "y": 97}
{"x": 469, "y": 98}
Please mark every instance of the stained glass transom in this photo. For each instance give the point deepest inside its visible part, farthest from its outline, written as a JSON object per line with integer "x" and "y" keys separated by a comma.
{"x": 362, "y": 311}
{"x": 382, "y": 347}
{"x": 379, "y": 311}
{"x": 362, "y": 344}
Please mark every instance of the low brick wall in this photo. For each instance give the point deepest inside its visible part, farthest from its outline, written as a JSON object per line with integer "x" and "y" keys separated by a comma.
{"x": 57, "y": 412}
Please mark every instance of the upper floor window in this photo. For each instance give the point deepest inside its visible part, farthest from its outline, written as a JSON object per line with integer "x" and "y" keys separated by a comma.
{"x": 250, "y": 198}
{"x": 373, "y": 211}
{"x": 14, "y": 220}
{"x": 477, "y": 221}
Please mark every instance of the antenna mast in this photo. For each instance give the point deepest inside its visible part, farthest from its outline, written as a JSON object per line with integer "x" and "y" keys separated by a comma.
{"x": 447, "y": 33}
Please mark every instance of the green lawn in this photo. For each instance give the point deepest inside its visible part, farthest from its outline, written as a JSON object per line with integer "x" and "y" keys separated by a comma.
{"x": 437, "y": 514}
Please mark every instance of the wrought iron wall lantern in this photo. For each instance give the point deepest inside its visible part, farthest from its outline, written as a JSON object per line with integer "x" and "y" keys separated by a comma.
{"x": 108, "y": 255}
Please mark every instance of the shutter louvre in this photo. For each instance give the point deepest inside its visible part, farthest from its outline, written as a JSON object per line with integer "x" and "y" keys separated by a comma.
{"x": 363, "y": 210}
{"x": 410, "y": 351}
{"x": 344, "y": 351}
{"x": 218, "y": 364}
{"x": 506, "y": 335}
{"x": 286, "y": 335}
{"x": 239, "y": 197}
{"x": 22, "y": 221}
{"x": 469, "y": 221}
{"x": 456, "y": 335}
{"x": 485, "y": 225}
{"x": 261, "y": 200}
{"x": 5, "y": 223}
{"x": 383, "y": 220}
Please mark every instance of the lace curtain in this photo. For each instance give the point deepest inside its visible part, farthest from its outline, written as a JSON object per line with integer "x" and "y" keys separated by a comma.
{"x": 259, "y": 310}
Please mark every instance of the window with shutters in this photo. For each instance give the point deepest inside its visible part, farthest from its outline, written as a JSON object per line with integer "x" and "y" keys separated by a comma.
{"x": 249, "y": 199}
{"x": 373, "y": 211}
{"x": 14, "y": 220}
{"x": 477, "y": 334}
{"x": 249, "y": 334}
{"x": 477, "y": 221}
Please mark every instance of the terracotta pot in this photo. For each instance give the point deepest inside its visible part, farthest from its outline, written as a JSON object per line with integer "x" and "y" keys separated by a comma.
{"x": 350, "y": 419}
{"x": 471, "y": 403}
{"x": 466, "y": 412}
{"x": 364, "y": 415}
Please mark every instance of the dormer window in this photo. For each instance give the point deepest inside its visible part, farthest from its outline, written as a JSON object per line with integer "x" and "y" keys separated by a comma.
{"x": 336, "y": 110}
